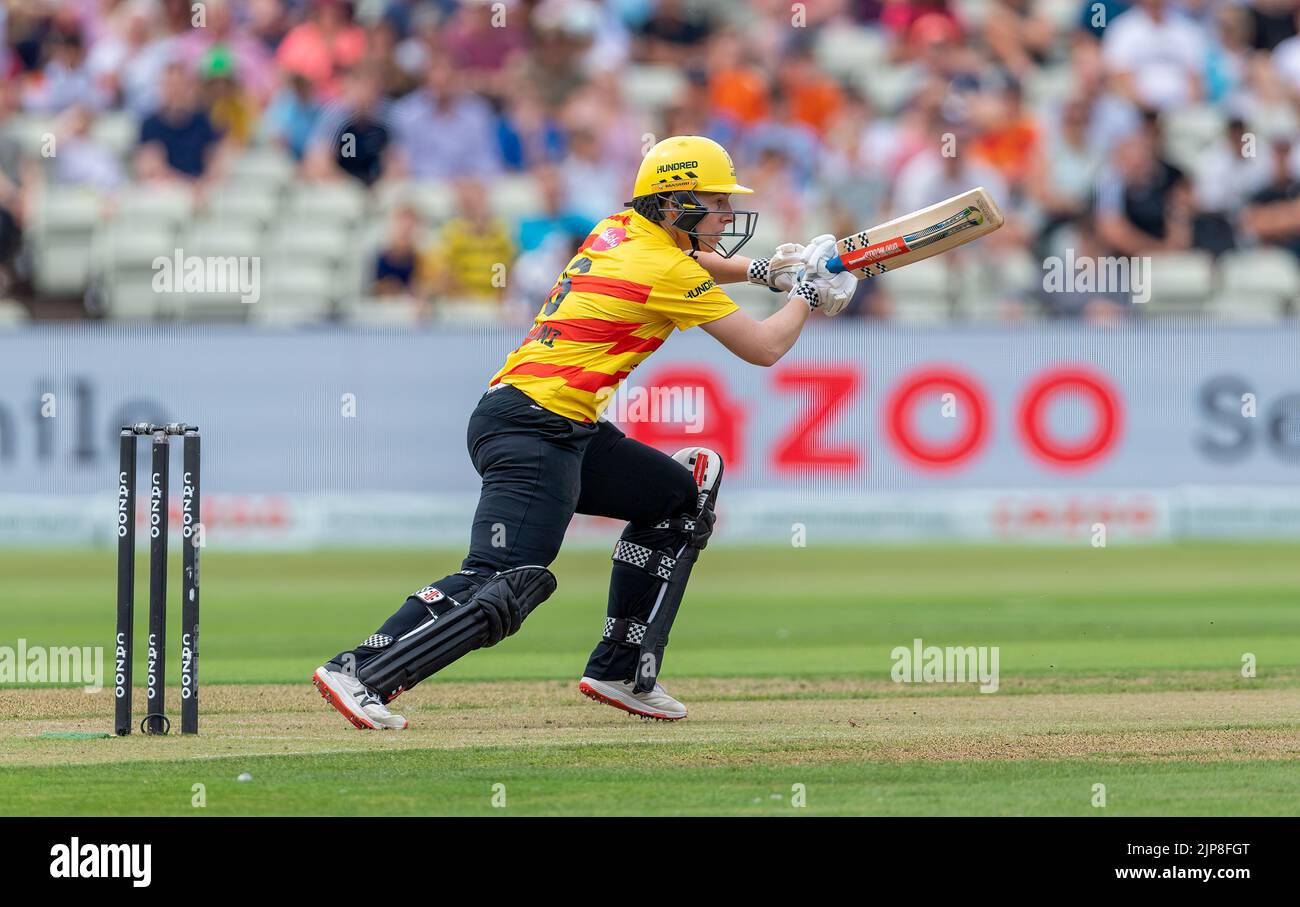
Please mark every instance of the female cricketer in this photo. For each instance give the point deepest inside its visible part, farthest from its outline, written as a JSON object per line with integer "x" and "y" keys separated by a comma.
{"x": 543, "y": 451}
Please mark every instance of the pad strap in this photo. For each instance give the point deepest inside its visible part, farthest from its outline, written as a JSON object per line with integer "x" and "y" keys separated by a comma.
{"x": 679, "y": 524}
{"x": 625, "y": 629}
{"x": 657, "y": 563}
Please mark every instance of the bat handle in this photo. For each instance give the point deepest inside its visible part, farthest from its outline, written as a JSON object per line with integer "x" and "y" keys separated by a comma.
{"x": 836, "y": 265}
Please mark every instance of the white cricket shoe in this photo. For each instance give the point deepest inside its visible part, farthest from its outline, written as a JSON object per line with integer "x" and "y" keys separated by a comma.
{"x": 621, "y": 695}
{"x": 355, "y": 702}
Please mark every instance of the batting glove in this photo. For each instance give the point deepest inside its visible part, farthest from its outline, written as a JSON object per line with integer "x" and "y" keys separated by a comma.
{"x": 780, "y": 272}
{"x": 820, "y": 249}
{"x": 833, "y": 291}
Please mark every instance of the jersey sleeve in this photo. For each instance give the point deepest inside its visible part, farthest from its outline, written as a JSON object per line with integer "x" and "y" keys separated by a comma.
{"x": 686, "y": 295}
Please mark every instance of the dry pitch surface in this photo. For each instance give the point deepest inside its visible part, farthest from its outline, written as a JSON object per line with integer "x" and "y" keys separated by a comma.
{"x": 1174, "y": 743}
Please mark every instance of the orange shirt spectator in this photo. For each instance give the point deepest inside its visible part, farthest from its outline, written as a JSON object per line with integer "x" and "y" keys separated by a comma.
{"x": 739, "y": 94}
{"x": 323, "y": 46}
{"x": 1009, "y": 148}
{"x": 814, "y": 97}
{"x": 815, "y": 103}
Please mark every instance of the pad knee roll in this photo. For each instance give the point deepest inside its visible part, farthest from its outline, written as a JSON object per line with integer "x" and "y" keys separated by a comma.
{"x": 496, "y": 610}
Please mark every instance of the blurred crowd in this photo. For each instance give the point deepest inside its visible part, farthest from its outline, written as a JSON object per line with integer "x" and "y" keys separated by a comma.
{"x": 1062, "y": 109}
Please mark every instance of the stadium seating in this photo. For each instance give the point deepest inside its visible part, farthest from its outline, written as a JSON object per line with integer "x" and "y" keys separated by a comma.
{"x": 1256, "y": 284}
{"x": 322, "y": 237}
{"x": 65, "y": 224}
{"x": 921, "y": 293}
{"x": 12, "y": 313}
{"x": 1181, "y": 284}
{"x": 652, "y": 87}
{"x": 845, "y": 52}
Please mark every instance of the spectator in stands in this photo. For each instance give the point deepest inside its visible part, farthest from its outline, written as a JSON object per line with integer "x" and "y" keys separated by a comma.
{"x": 27, "y": 27}
{"x": 472, "y": 257}
{"x": 481, "y": 39}
{"x": 528, "y": 134}
{"x": 232, "y": 110}
{"x": 556, "y": 218}
{"x": 855, "y": 170}
{"x": 1062, "y": 179}
{"x": 932, "y": 175}
{"x": 905, "y": 20}
{"x": 594, "y": 187}
{"x": 354, "y": 135}
{"x": 1273, "y": 215}
{"x": 396, "y": 264}
{"x": 555, "y": 65}
{"x": 220, "y": 37}
{"x": 1019, "y": 35}
{"x": 80, "y": 159}
{"x": 780, "y": 194}
{"x": 443, "y": 131}
{"x": 1227, "y": 175}
{"x": 814, "y": 97}
{"x": 673, "y": 34}
{"x": 1271, "y": 22}
{"x": 397, "y": 79}
{"x": 290, "y": 120}
{"x": 1286, "y": 62}
{"x": 14, "y": 168}
{"x": 1155, "y": 56}
{"x": 693, "y": 113}
{"x": 324, "y": 47}
{"x": 1010, "y": 139}
{"x": 65, "y": 79}
{"x": 268, "y": 22}
{"x": 619, "y": 129}
{"x": 780, "y": 132}
{"x": 1229, "y": 60}
{"x": 1096, "y": 15}
{"x": 128, "y": 60}
{"x": 177, "y": 141}
{"x": 737, "y": 86}
{"x": 1144, "y": 204}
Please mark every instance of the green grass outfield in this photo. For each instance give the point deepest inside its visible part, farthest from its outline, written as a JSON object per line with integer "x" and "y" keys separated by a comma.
{"x": 1119, "y": 666}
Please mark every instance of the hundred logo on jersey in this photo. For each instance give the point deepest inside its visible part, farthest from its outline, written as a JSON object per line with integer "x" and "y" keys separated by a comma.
{"x": 702, "y": 288}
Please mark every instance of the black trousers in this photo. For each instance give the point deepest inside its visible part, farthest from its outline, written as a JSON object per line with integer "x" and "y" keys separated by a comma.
{"x": 538, "y": 469}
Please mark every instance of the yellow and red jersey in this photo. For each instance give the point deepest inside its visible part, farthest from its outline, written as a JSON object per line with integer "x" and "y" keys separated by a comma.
{"x": 616, "y": 302}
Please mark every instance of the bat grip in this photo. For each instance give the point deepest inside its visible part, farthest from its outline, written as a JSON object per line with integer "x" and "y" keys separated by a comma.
{"x": 836, "y": 265}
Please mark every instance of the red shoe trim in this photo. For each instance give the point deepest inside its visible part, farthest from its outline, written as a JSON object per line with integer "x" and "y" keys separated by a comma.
{"x": 592, "y": 693}
{"x": 359, "y": 721}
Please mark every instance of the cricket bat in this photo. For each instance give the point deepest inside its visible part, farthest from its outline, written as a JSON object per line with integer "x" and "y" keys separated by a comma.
{"x": 917, "y": 236}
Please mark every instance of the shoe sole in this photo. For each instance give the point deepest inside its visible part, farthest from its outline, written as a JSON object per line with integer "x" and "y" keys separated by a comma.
{"x": 359, "y": 722}
{"x": 592, "y": 693}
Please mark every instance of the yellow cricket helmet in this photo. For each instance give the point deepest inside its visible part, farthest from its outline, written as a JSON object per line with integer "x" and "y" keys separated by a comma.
{"x": 687, "y": 162}
{"x": 677, "y": 168}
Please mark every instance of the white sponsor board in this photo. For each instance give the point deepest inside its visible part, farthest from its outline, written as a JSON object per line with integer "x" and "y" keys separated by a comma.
{"x": 332, "y": 436}
{"x": 1067, "y": 517}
